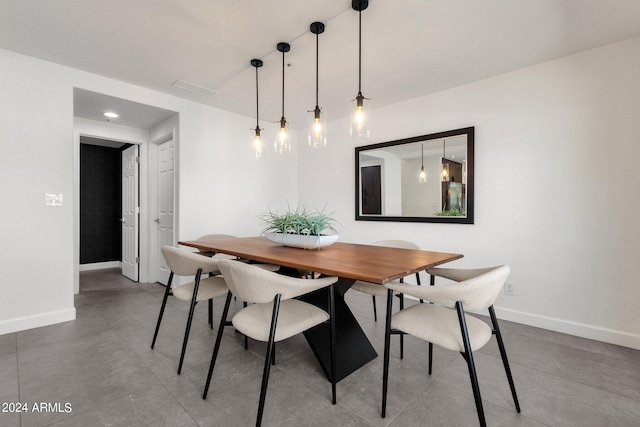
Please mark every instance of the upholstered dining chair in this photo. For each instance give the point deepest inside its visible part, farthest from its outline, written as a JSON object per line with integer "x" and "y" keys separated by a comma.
{"x": 446, "y": 323}
{"x": 457, "y": 275}
{"x": 185, "y": 263}
{"x": 274, "y": 314}
{"x": 376, "y": 290}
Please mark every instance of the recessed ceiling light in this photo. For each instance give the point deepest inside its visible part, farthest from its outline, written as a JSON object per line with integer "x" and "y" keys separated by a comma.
{"x": 111, "y": 115}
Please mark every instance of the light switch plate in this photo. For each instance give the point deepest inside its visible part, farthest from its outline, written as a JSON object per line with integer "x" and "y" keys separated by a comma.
{"x": 53, "y": 199}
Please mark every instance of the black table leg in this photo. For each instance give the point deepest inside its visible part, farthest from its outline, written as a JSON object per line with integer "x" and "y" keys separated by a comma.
{"x": 353, "y": 349}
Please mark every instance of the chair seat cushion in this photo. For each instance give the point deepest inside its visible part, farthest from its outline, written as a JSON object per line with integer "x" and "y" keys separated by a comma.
{"x": 293, "y": 317}
{"x": 210, "y": 287}
{"x": 440, "y": 326}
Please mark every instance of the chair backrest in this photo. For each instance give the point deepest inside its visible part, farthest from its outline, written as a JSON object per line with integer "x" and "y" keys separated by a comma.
{"x": 185, "y": 263}
{"x": 402, "y": 244}
{"x": 256, "y": 285}
{"x": 481, "y": 291}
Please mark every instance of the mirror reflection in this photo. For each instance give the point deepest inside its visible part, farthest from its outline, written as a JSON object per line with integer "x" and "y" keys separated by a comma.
{"x": 427, "y": 178}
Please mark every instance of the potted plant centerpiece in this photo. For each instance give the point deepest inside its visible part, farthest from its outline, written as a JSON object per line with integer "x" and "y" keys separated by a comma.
{"x": 300, "y": 228}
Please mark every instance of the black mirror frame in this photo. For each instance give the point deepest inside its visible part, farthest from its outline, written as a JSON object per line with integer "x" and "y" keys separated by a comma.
{"x": 470, "y": 132}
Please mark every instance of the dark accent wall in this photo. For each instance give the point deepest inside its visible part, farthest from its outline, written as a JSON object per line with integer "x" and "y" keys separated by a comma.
{"x": 100, "y": 204}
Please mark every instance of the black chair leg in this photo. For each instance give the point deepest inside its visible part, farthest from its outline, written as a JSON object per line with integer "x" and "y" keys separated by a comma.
{"x": 211, "y": 313}
{"x": 387, "y": 341}
{"x": 246, "y": 339}
{"x": 164, "y": 303}
{"x": 468, "y": 356}
{"x": 503, "y": 354}
{"x": 375, "y": 311}
{"x": 401, "y": 335}
{"x": 190, "y": 318}
{"x": 430, "y": 357}
{"x": 267, "y": 359}
{"x": 432, "y": 282}
{"x": 332, "y": 349}
{"x": 214, "y": 355}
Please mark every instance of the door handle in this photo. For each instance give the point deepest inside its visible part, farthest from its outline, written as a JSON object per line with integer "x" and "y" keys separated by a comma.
{"x": 121, "y": 220}
{"x": 157, "y": 220}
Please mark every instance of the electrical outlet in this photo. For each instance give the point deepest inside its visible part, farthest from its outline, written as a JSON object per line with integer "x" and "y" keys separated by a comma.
{"x": 510, "y": 289}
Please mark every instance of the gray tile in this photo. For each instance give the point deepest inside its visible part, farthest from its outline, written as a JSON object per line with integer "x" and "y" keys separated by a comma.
{"x": 608, "y": 373}
{"x": 103, "y": 365}
{"x": 85, "y": 373}
{"x": 443, "y": 405}
{"x": 9, "y": 388}
{"x": 150, "y": 407}
{"x": 544, "y": 397}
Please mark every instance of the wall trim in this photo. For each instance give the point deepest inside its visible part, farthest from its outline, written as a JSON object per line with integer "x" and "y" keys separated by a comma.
{"x": 597, "y": 333}
{"x": 99, "y": 265}
{"x": 37, "y": 320}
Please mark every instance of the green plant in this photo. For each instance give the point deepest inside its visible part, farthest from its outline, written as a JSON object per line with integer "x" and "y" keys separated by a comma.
{"x": 452, "y": 212}
{"x": 298, "y": 221}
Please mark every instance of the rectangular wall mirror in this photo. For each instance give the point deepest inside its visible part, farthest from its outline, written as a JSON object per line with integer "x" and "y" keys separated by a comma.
{"x": 426, "y": 178}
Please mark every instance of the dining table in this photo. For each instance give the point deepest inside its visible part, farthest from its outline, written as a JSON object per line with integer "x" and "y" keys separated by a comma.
{"x": 349, "y": 262}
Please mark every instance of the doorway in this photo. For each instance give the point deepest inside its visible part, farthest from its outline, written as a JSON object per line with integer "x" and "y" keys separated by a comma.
{"x": 109, "y": 208}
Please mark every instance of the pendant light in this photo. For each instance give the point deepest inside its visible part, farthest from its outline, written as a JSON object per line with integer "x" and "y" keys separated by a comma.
{"x": 283, "y": 144}
{"x": 445, "y": 166}
{"x": 359, "y": 124}
{"x": 317, "y": 123}
{"x": 257, "y": 144}
{"x": 423, "y": 174}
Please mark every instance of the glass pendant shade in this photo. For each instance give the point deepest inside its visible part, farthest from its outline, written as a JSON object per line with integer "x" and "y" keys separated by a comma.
{"x": 445, "y": 165}
{"x": 282, "y": 144}
{"x": 360, "y": 121}
{"x": 257, "y": 145}
{"x": 422, "y": 176}
{"x": 317, "y": 126}
{"x": 445, "y": 171}
{"x": 317, "y": 122}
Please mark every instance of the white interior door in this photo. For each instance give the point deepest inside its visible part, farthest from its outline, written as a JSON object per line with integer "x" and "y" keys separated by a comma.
{"x": 130, "y": 213}
{"x": 165, "y": 205}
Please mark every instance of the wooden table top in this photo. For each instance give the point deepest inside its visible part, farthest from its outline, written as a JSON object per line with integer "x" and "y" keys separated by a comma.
{"x": 375, "y": 264}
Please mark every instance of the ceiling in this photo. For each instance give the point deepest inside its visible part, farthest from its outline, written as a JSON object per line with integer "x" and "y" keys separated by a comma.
{"x": 410, "y": 47}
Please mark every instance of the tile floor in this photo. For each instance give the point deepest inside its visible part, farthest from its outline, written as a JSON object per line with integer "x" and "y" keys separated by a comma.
{"x": 102, "y": 366}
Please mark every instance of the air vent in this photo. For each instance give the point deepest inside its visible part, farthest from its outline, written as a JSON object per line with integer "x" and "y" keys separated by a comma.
{"x": 192, "y": 87}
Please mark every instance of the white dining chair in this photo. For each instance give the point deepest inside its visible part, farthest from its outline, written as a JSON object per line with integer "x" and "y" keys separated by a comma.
{"x": 274, "y": 314}
{"x": 185, "y": 263}
{"x": 445, "y": 322}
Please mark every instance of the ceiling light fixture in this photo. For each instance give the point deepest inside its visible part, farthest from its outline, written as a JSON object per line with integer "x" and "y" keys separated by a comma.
{"x": 257, "y": 144}
{"x": 445, "y": 166}
{"x": 283, "y": 138}
{"x": 111, "y": 115}
{"x": 360, "y": 122}
{"x": 317, "y": 122}
{"x": 423, "y": 174}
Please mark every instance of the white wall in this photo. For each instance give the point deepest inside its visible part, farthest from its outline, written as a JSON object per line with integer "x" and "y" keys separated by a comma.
{"x": 557, "y": 146}
{"x": 221, "y": 187}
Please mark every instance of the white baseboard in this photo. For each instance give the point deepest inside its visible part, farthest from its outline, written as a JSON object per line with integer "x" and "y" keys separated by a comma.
{"x": 36, "y": 320}
{"x": 597, "y": 333}
{"x": 99, "y": 265}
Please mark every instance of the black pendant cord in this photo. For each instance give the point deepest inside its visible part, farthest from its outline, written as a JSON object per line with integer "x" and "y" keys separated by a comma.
{"x": 257, "y": 103}
{"x": 423, "y": 155}
{"x": 283, "y": 85}
{"x": 317, "y": 74}
{"x": 360, "y": 52}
